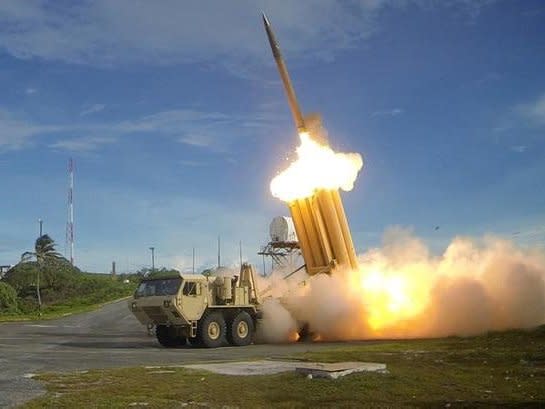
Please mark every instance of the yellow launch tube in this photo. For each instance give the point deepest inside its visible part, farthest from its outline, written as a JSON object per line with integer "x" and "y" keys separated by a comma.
{"x": 343, "y": 223}
{"x": 333, "y": 228}
{"x": 323, "y": 232}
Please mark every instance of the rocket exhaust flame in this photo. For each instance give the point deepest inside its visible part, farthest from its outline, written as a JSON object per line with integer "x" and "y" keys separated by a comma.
{"x": 317, "y": 167}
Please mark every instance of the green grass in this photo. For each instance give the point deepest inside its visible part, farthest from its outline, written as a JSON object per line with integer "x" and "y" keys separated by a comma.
{"x": 499, "y": 369}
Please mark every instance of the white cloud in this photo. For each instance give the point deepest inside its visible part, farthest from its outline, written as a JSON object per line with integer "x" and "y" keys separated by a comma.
{"x": 213, "y": 131}
{"x": 519, "y": 148}
{"x": 208, "y": 130}
{"x": 200, "y": 140}
{"x": 388, "y": 112}
{"x": 489, "y": 77}
{"x": 105, "y": 32}
{"x": 533, "y": 111}
{"x": 16, "y": 133}
{"x": 472, "y": 8}
{"x": 92, "y": 109}
{"x": 30, "y": 91}
{"x": 171, "y": 121}
{"x": 191, "y": 163}
{"x": 84, "y": 144}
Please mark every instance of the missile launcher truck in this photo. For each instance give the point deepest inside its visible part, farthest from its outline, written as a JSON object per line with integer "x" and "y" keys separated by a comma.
{"x": 209, "y": 310}
{"x": 205, "y": 311}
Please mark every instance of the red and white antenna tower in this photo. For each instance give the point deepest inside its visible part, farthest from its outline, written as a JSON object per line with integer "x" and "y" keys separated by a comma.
{"x": 70, "y": 222}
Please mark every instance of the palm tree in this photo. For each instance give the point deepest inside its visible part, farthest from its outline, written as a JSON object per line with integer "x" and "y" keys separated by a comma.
{"x": 44, "y": 251}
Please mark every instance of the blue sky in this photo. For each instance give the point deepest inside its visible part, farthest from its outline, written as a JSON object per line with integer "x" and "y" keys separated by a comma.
{"x": 176, "y": 119}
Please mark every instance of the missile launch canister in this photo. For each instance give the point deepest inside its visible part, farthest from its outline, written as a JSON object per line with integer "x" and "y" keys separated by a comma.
{"x": 320, "y": 221}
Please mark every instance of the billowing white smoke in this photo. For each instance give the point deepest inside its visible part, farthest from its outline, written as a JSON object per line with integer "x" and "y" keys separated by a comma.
{"x": 402, "y": 291}
{"x": 279, "y": 326}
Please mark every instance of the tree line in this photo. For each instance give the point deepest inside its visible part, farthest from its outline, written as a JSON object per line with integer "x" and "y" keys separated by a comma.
{"x": 44, "y": 280}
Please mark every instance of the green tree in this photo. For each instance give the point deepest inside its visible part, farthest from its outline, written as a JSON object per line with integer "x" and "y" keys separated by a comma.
{"x": 44, "y": 252}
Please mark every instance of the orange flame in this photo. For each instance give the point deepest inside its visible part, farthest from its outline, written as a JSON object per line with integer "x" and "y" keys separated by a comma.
{"x": 390, "y": 297}
{"x": 316, "y": 167}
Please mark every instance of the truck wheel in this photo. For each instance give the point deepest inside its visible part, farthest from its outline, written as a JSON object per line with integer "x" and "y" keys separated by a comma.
{"x": 241, "y": 330}
{"x": 165, "y": 336}
{"x": 211, "y": 331}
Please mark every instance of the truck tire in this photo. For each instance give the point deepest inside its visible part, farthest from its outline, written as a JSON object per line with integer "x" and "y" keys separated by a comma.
{"x": 241, "y": 330}
{"x": 167, "y": 338}
{"x": 211, "y": 330}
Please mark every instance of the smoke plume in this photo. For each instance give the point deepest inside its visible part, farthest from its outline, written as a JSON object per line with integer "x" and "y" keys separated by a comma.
{"x": 402, "y": 291}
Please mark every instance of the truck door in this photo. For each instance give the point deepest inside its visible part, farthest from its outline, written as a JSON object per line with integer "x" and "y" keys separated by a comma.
{"x": 193, "y": 300}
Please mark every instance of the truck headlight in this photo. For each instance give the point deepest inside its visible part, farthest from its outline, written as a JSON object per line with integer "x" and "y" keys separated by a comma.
{"x": 133, "y": 306}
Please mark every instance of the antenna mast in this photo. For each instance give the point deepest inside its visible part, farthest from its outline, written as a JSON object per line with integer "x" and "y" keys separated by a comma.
{"x": 70, "y": 222}
{"x": 219, "y": 251}
{"x": 193, "y": 260}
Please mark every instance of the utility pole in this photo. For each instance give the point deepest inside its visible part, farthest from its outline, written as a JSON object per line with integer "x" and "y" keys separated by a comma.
{"x": 193, "y": 260}
{"x": 41, "y": 222}
{"x": 152, "y": 259}
{"x": 219, "y": 251}
{"x": 70, "y": 221}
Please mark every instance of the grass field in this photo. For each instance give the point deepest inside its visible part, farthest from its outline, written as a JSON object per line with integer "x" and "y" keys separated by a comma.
{"x": 499, "y": 369}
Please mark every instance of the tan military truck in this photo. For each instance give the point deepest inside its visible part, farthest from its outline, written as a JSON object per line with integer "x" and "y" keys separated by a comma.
{"x": 206, "y": 311}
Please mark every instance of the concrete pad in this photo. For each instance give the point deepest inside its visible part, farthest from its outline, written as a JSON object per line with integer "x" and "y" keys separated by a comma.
{"x": 262, "y": 367}
{"x": 269, "y": 367}
{"x": 338, "y": 369}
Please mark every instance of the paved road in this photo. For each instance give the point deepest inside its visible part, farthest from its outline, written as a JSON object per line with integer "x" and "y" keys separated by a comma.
{"x": 109, "y": 337}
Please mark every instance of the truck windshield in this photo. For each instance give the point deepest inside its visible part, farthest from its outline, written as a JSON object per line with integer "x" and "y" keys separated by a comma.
{"x": 166, "y": 286}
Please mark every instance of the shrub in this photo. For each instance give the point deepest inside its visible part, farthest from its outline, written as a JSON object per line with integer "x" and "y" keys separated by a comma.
{"x": 8, "y": 298}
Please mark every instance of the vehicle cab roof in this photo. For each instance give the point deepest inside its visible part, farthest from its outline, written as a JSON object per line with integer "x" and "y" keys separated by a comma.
{"x": 192, "y": 276}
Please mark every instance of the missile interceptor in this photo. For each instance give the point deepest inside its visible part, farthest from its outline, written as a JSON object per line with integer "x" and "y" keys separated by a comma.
{"x": 283, "y": 70}
{"x": 320, "y": 220}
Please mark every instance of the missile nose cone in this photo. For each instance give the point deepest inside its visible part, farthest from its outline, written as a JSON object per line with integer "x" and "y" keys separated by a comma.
{"x": 265, "y": 19}
{"x": 272, "y": 39}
